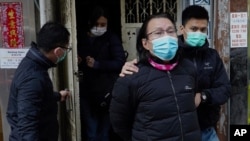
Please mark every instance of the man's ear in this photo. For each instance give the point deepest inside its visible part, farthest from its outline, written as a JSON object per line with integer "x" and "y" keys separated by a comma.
{"x": 145, "y": 43}
{"x": 58, "y": 51}
{"x": 181, "y": 29}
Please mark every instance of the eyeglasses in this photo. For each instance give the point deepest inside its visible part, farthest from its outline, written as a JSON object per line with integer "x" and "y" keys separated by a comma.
{"x": 160, "y": 33}
{"x": 68, "y": 49}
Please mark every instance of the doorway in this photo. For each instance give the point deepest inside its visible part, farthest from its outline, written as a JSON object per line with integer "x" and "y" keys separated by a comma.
{"x": 83, "y": 10}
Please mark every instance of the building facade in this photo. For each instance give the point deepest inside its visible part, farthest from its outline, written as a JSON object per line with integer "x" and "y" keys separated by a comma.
{"x": 228, "y": 34}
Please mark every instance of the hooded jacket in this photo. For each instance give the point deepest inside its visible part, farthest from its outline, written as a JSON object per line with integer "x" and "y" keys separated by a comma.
{"x": 32, "y": 106}
{"x": 212, "y": 80}
{"x": 156, "y": 105}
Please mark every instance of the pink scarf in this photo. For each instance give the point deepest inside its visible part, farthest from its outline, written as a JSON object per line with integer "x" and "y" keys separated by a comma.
{"x": 165, "y": 67}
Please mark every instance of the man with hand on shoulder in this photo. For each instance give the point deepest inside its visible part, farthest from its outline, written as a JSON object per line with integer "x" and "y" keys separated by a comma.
{"x": 214, "y": 88}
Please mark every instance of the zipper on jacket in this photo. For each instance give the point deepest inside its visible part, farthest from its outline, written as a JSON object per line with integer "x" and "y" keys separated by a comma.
{"x": 194, "y": 60}
{"x": 177, "y": 106}
{"x": 196, "y": 68}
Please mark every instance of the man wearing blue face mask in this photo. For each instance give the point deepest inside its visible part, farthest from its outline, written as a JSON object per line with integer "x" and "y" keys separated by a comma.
{"x": 157, "y": 103}
{"x": 213, "y": 83}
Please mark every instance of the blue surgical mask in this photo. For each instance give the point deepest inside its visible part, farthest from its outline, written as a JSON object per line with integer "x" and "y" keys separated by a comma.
{"x": 196, "y": 39}
{"x": 165, "y": 47}
{"x": 59, "y": 59}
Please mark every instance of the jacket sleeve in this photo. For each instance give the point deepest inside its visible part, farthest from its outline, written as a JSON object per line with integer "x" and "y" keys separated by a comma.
{"x": 121, "y": 109}
{"x": 117, "y": 54}
{"x": 220, "y": 90}
{"x": 57, "y": 96}
{"x": 29, "y": 102}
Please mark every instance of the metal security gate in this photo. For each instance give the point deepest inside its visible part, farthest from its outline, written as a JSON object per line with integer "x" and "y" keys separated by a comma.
{"x": 134, "y": 12}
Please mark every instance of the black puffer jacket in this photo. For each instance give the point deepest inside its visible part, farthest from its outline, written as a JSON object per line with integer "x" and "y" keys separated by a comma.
{"x": 109, "y": 56}
{"x": 32, "y": 107}
{"x": 155, "y": 105}
{"x": 212, "y": 79}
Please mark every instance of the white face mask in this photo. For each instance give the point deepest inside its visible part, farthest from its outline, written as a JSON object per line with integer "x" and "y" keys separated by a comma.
{"x": 98, "y": 31}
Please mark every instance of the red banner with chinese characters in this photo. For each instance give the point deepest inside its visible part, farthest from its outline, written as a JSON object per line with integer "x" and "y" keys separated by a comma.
{"x": 11, "y": 22}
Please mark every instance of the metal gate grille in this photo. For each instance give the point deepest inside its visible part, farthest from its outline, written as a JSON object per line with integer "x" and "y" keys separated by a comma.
{"x": 136, "y": 11}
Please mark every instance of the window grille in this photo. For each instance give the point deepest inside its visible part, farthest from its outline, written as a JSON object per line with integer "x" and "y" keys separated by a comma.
{"x": 136, "y": 11}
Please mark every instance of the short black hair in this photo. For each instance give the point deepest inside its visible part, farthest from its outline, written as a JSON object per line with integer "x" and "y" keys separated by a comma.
{"x": 52, "y": 35}
{"x": 142, "y": 52}
{"x": 194, "y": 11}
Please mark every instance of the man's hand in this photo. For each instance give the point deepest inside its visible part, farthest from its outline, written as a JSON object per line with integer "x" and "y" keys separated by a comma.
{"x": 197, "y": 99}
{"x": 129, "y": 68}
{"x": 90, "y": 61}
{"x": 64, "y": 94}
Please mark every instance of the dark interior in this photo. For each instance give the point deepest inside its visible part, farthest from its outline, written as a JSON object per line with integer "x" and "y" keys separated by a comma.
{"x": 83, "y": 9}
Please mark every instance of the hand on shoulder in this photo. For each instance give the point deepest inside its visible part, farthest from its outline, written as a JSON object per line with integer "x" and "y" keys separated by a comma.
{"x": 129, "y": 68}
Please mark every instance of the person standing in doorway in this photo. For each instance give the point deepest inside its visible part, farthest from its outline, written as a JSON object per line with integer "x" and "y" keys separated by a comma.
{"x": 102, "y": 57}
{"x": 214, "y": 88}
{"x": 32, "y": 106}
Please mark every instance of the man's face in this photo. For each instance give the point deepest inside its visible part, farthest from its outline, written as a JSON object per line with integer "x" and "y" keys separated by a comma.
{"x": 194, "y": 25}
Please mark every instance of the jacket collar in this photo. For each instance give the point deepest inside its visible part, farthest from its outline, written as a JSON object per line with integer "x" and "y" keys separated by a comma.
{"x": 37, "y": 56}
